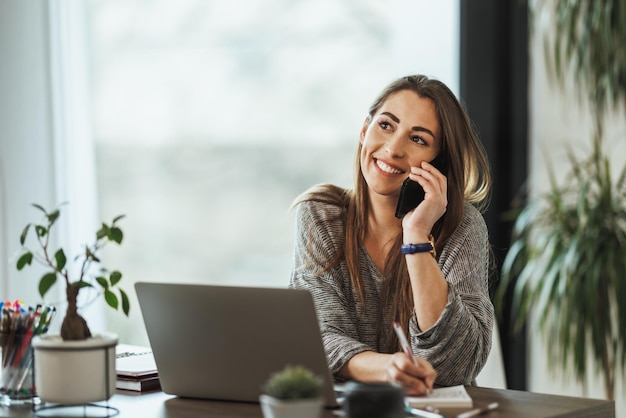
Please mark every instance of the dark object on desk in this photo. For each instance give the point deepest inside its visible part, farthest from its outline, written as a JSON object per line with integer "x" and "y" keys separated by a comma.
{"x": 145, "y": 384}
{"x": 373, "y": 400}
{"x": 213, "y": 333}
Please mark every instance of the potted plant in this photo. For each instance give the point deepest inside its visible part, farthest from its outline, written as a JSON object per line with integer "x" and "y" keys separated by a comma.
{"x": 74, "y": 367}
{"x": 567, "y": 259}
{"x": 292, "y": 392}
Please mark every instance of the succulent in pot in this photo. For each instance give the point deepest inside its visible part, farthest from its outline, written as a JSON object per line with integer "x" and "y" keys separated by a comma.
{"x": 293, "y": 391}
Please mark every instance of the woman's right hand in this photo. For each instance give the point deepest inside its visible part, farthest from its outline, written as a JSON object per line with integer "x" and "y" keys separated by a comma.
{"x": 416, "y": 378}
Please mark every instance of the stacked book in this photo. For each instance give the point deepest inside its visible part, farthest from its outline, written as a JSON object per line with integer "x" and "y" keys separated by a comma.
{"x": 136, "y": 368}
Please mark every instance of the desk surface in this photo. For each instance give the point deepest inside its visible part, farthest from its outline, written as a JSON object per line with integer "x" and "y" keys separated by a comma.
{"x": 513, "y": 404}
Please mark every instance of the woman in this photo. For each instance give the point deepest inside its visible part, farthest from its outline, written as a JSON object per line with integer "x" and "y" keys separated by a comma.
{"x": 356, "y": 257}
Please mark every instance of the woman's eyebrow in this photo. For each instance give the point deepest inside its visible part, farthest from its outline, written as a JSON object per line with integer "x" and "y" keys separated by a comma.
{"x": 392, "y": 116}
{"x": 414, "y": 128}
{"x": 422, "y": 129}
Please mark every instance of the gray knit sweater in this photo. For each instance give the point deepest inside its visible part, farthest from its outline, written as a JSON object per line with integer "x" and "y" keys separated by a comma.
{"x": 459, "y": 342}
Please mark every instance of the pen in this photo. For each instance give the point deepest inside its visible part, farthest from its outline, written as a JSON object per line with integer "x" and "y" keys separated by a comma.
{"x": 404, "y": 342}
{"x": 478, "y": 411}
{"x": 405, "y": 346}
{"x": 415, "y": 412}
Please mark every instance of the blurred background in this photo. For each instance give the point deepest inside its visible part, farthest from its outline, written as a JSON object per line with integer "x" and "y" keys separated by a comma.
{"x": 202, "y": 120}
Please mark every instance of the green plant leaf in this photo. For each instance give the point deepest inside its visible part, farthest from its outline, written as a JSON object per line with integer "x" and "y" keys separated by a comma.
{"x": 117, "y": 218}
{"x": 125, "y": 302}
{"x": 26, "y": 258}
{"x": 53, "y": 216}
{"x": 46, "y": 282}
{"x": 116, "y": 235}
{"x": 59, "y": 256}
{"x": 111, "y": 299}
{"x": 24, "y": 234}
{"x": 41, "y": 231}
{"x": 40, "y": 208}
{"x": 102, "y": 232}
{"x": 102, "y": 281}
{"x": 115, "y": 277}
{"x": 90, "y": 255}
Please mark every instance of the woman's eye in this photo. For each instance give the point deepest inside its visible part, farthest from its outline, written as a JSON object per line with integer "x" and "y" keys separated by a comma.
{"x": 384, "y": 125}
{"x": 418, "y": 139}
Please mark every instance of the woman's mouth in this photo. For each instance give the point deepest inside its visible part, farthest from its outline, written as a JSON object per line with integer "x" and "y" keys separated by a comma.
{"x": 387, "y": 168}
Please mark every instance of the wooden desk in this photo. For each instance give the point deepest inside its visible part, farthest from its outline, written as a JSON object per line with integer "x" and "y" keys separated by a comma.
{"x": 513, "y": 404}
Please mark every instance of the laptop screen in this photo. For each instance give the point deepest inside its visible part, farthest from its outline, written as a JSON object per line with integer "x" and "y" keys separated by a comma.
{"x": 223, "y": 342}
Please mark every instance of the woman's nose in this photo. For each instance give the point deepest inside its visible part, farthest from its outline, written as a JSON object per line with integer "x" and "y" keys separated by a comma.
{"x": 395, "y": 146}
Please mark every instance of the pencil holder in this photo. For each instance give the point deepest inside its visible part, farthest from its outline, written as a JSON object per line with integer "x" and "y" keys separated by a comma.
{"x": 18, "y": 325}
{"x": 17, "y": 384}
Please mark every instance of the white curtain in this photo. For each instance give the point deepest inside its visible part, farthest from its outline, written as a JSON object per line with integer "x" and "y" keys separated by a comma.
{"x": 46, "y": 151}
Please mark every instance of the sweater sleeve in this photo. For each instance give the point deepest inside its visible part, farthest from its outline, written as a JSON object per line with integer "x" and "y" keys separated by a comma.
{"x": 459, "y": 342}
{"x": 319, "y": 238}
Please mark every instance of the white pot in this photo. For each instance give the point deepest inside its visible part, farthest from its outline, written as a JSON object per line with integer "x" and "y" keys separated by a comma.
{"x": 298, "y": 408}
{"x": 75, "y": 372}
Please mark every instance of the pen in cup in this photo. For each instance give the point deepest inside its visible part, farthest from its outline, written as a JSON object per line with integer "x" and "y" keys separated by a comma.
{"x": 406, "y": 346}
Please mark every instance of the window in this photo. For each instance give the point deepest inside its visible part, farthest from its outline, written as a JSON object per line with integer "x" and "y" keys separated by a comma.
{"x": 210, "y": 117}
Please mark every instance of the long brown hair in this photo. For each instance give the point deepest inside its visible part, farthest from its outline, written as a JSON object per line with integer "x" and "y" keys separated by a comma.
{"x": 469, "y": 180}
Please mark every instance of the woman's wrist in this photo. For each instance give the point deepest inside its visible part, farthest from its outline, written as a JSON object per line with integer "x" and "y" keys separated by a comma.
{"x": 416, "y": 237}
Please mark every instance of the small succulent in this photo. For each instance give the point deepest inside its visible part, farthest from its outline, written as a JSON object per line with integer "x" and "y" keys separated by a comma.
{"x": 294, "y": 382}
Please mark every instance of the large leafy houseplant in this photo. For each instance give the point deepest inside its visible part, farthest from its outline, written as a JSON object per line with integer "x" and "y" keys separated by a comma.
{"x": 567, "y": 258}
{"x": 74, "y": 326}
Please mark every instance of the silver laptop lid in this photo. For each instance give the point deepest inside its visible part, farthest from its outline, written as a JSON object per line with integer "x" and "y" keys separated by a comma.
{"x": 222, "y": 342}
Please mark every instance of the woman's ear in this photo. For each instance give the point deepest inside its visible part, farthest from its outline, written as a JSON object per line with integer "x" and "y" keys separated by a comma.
{"x": 366, "y": 125}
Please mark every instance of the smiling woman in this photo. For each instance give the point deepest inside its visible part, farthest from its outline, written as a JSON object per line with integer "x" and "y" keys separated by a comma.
{"x": 428, "y": 271}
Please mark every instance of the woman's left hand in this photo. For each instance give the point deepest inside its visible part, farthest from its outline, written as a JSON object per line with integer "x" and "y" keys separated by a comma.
{"x": 419, "y": 221}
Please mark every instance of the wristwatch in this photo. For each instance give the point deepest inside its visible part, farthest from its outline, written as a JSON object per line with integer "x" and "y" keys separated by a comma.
{"x": 420, "y": 248}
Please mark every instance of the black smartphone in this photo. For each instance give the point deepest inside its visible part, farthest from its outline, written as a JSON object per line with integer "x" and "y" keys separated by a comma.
{"x": 411, "y": 193}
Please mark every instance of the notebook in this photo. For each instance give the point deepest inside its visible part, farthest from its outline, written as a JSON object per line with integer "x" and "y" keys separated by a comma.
{"x": 223, "y": 342}
{"x": 443, "y": 397}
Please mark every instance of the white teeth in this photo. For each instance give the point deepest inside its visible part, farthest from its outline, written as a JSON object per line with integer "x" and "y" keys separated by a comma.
{"x": 388, "y": 169}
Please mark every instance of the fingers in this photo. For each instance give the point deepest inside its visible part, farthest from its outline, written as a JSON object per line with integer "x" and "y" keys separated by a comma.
{"x": 434, "y": 179}
{"x": 435, "y": 198}
{"x": 416, "y": 379}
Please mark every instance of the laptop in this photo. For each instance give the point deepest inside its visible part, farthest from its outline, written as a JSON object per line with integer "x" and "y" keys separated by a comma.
{"x": 223, "y": 342}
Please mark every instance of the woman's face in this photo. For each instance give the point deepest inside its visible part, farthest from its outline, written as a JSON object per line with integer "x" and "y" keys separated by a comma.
{"x": 403, "y": 133}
